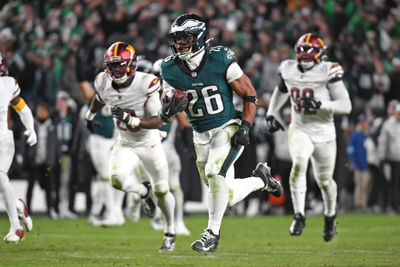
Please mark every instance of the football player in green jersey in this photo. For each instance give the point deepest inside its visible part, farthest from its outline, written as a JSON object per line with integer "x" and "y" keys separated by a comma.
{"x": 209, "y": 76}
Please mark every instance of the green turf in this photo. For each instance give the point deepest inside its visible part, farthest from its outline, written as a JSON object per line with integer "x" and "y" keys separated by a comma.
{"x": 363, "y": 240}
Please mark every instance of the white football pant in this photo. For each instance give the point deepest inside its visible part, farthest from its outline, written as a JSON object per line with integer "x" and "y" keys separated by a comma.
{"x": 323, "y": 157}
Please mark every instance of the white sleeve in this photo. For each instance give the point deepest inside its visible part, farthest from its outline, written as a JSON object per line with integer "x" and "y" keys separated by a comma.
{"x": 233, "y": 72}
{"x": 26, "y": 117}
{"x": 99, "y": 85}
{"x": 341, "y": 101}
{"x": 278, "y": 99}
{"x": 152, "y": 105}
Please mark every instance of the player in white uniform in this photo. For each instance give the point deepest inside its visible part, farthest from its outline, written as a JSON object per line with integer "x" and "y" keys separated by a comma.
{"x": 16, "y": 209}
{"x": 135, "y": 104}
{"x": 316, "y": 92}
{"x": 168, "y": 133}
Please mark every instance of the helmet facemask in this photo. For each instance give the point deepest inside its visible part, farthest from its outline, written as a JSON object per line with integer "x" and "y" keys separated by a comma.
{"x": 309, "y": 50}
{"x": 120, "y": 71}
{"x": 188, "y": 36}
{"x": 120, "y": 62}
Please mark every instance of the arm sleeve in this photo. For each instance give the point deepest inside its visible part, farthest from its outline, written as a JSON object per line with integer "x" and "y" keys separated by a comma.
{"x": 278, "y": 99}
{"x": 341, "y": 101}
{"x": 153, "y": 105}
{"x": 24, "y": 113}
{"x": 233, "y": 72}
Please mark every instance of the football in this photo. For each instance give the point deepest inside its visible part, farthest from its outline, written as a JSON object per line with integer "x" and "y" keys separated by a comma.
{"x": 180, "y": 94}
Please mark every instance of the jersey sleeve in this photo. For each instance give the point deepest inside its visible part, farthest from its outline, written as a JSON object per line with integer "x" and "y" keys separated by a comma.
{"x": 234, "y": 72}
{"x": 228, "y": 55}
{"x": 154, "y": 86}
{"x": 99, "y": 85}
{"x": 335, "y": 73}
{"x": 13, "y": 87}
{"x": 152, "y": 105}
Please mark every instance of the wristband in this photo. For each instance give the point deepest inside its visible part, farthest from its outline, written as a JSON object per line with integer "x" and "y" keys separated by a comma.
{"x": 252, "y": 99}
{"x": 134, "y": 121}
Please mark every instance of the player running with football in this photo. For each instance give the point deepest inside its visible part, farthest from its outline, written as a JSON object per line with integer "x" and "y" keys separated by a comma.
{"x": 209, "y": 76}
{"x": 16, "y": 209}
{"x": 316, "y": 92}
{"x": 135, "y": 104}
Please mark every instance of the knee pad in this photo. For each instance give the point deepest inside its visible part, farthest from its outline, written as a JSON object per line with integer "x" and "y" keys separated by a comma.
{"x": 161, "y": 188}
{"x": 116, "y": 182}
{"x": 325, "y": 181}
{"x": 3, "y": 180}
{"x": 217, "y": 183}
{"x": 297, "y": 171}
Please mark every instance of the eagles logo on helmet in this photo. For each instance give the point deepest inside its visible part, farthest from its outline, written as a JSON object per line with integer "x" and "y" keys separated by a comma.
{"x": 309, "y": 50}
{"x": 188, "y": 30}
{"x": 120, "y": 62}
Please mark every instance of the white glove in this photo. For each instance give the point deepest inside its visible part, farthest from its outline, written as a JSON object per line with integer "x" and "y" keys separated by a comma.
{"x": 31, "y": 135}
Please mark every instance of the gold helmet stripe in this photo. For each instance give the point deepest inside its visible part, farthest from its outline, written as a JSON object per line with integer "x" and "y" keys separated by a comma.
{"x": 308, "y": 37}
{"x": 116, "y": 49}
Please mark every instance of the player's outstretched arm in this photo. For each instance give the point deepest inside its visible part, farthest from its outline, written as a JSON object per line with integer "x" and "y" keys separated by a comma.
{"x": 25, "y": 113}
{"x": 95, "y": 106}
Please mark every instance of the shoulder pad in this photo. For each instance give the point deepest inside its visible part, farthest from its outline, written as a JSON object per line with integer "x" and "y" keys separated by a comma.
{"x": 284, "y": 65}
{"x": 151, "y": 83}
{"x": 335, "y": 73}
{"x": 223, "y": 52}
{"x": 100, "y": 81}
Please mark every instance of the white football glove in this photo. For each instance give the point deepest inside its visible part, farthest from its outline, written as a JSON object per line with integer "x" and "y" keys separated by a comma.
{"x": 31, "y": 137}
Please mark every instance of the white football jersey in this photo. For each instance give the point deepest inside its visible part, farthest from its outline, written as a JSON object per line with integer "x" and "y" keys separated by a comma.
{"x": 9, "y": 89}
{"x": 140, "y": 99}
{"x": 318, "y": 124}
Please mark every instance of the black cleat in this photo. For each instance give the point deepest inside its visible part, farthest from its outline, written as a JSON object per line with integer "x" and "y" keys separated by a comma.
{"x": 329, "y": 228}
{"x": 271, "y": 185}
{"x": 168, "y": 243}
{"x": 298, "y": 223}
{"x": 208, "y": 242}
{"x": 148, "y": 204}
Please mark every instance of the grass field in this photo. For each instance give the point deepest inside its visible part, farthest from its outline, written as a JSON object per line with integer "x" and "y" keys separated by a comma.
{"x": 362, "y": 240}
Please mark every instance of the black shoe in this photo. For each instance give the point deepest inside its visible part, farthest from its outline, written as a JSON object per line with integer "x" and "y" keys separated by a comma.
{"x": 148, "y": 204}
{"x": 271, "y": 185}
{"x": 168, "y": 243}
{"x": 208, "y": 242}
{"x": 298, "y": 223}
{"x": 329, "y": 228}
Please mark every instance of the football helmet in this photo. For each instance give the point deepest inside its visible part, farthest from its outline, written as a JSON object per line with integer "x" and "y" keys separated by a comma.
{"x": 309, "y": 50}
{"x": 120, "y": 62}
{"x": 188, "y": 35}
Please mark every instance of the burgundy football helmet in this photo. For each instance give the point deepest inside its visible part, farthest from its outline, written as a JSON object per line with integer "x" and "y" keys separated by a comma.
{"x": 120, "y": 62}
{"x": 309, "y": 50}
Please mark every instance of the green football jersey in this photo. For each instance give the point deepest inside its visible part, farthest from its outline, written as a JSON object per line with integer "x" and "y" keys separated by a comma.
{"x": 209, "y": 94}
{"x": 107, "y": 124}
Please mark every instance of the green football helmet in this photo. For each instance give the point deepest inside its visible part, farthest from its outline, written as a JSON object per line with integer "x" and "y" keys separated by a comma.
{"x": 188, "y": 29}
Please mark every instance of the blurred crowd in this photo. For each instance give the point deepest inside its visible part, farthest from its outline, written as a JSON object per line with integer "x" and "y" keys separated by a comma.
{"x": 46, "y": 43}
